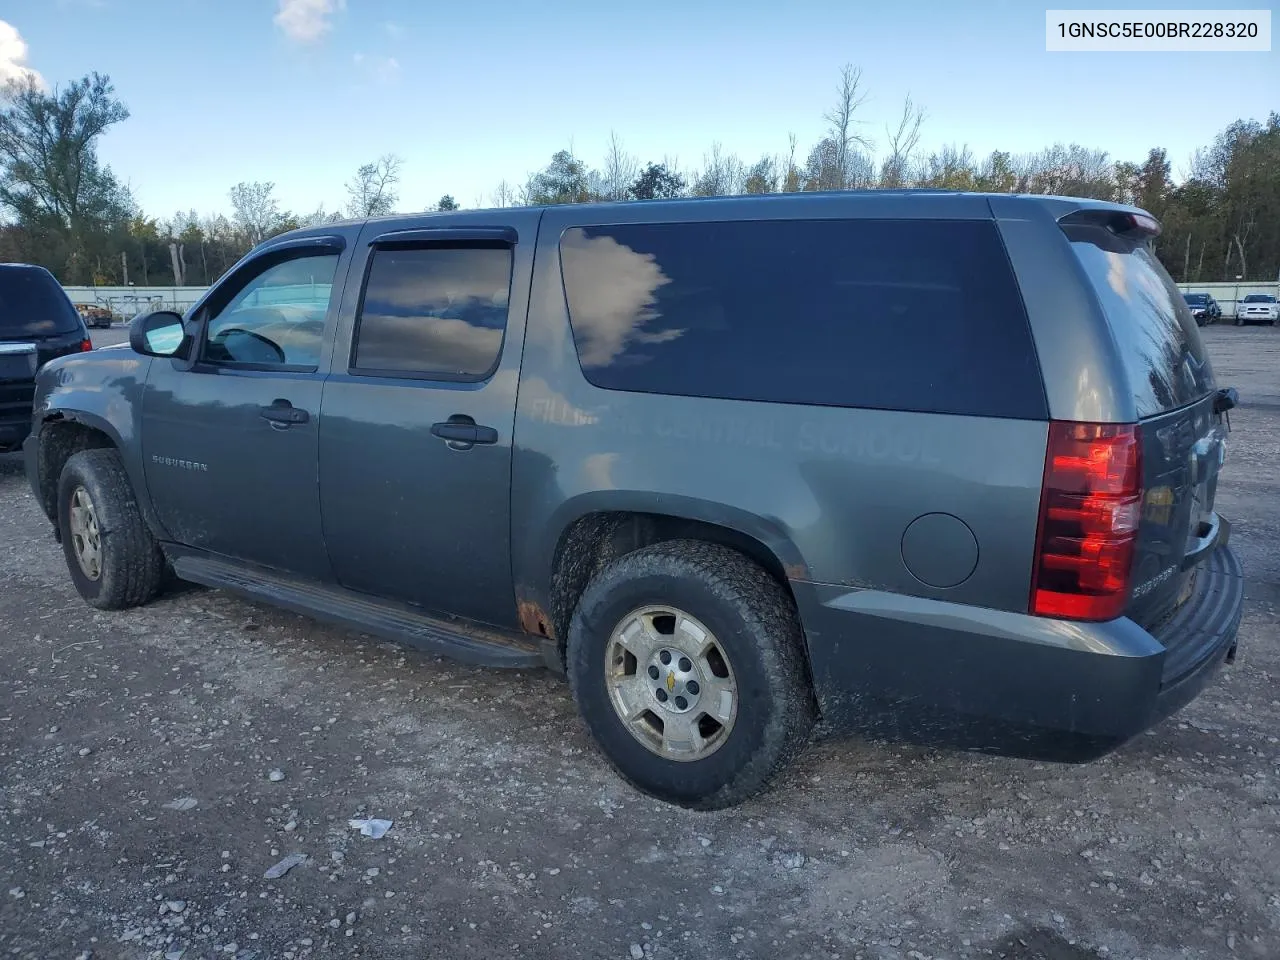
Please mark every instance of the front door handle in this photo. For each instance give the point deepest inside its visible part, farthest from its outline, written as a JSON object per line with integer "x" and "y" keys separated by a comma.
{"x": 282, "y": 414}
{"x": 462, "y": 433}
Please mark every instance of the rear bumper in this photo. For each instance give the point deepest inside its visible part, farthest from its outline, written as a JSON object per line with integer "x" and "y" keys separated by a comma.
{"x": 16, "y": 404}
{"x": 950, "y": 674}
{"x": 14, "y": 431}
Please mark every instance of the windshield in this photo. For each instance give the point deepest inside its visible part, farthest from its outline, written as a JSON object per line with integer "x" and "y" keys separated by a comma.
{"x": 33, "y": 305}
{"x": 1195, "y": 298}
{"x": 1259, "y": 298}
{"x": 1160, "y": 346}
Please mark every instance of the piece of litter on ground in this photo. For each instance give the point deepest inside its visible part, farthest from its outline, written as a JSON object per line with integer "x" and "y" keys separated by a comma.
{"x": 370, "y": 828}
{"x": 182, "y": 803}
{"x": 284, "y": 866}
{"x": 275, "y": 776}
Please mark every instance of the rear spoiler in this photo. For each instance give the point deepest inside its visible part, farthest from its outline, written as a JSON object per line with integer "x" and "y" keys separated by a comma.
{"x": 1132, "y": 225}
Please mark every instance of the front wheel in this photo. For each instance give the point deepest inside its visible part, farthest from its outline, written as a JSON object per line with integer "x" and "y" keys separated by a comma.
{"x": 687, "y": 662}
{"x": 113, "y": 559}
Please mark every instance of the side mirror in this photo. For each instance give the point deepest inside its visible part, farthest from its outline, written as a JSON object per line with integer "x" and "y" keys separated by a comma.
{"x": 159, "y": 333}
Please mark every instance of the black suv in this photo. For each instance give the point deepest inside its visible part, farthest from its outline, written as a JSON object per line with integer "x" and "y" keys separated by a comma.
{"x": 1203, "y": 308}
{"x": 37, "y": 324}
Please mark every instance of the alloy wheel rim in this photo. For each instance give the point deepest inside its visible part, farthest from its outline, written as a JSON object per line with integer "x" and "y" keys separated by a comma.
{"x": 671, "y": 683}
{"x": 86, "y": 538}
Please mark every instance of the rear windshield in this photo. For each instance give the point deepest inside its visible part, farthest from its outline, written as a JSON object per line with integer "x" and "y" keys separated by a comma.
{"x": 33, "y": 305}
{"x": 1164, "y": 358}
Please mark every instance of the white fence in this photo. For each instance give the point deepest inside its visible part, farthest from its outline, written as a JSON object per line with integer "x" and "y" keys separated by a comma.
{"x": 127, "y": 301}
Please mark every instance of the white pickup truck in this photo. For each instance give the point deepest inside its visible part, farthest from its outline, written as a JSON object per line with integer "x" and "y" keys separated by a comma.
{"x": 1258, "y": 308}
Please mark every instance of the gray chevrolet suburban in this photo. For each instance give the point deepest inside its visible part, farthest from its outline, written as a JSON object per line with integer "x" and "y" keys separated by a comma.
{"x": 924, "y": 465}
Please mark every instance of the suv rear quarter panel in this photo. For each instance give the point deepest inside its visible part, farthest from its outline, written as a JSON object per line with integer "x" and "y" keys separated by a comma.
{"x": 1084, "y": 378}
{"x": 829, "y": 491}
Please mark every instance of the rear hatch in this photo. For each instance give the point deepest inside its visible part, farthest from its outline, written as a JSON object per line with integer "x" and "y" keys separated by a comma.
{"x": 1182, "y": 425}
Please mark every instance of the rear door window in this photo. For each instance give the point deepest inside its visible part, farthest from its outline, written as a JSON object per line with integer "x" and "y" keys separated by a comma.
{"x": 916, "y": 315}
{"x": 438, "y": 313}
{"x": 1165, "y": 361}
{"x": 32, "y": 304}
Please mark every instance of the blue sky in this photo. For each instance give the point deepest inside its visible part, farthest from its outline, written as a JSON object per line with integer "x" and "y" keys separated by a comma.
{"x": 472, "y": 93}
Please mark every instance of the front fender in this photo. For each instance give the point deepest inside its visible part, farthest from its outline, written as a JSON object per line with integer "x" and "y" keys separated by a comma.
{"x": 100, "y": 391}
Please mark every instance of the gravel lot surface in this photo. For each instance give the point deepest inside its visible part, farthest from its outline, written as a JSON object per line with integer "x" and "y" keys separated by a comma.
{"x": 155, "y": 764}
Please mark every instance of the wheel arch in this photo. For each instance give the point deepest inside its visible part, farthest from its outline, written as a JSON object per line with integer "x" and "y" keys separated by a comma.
{"x": 64, "y": 433}
{"x": 600, "y": 530}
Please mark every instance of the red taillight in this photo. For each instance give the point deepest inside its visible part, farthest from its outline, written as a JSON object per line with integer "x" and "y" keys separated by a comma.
{"x": 1090, "y": 506}
{"x": 86, "y": 345}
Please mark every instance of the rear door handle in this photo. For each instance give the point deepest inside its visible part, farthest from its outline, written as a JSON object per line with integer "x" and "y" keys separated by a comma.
{"x": 281, "y": 413}
{"x": 461, "y": 432}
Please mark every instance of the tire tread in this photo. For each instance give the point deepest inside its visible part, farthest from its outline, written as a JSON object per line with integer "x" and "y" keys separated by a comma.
{"x": 767, "y": 610}
{"x": 133, "y": 564}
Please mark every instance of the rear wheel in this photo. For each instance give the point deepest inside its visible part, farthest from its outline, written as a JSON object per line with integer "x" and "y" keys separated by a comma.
{"x": 686, "y": 661}
{"x": 113, "y": 559}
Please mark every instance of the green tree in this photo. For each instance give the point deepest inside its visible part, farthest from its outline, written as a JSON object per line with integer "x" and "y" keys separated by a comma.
{"x": 1152, "y": 193}
{"x": 447, "y": 203}
{"x": 63, "y": 199}
{"x": 656, "y": 182}
{"x": 997, "y": 175}
{"x": 565, "y": 179}
{"x": 762, "y": 177}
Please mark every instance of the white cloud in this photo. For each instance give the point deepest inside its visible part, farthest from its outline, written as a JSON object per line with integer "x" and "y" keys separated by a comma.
{"x": 13, "y": 56}
{"x": 306, "y": 21}
{"x": 381, "y": 69}
{"x": 387, "y": 69}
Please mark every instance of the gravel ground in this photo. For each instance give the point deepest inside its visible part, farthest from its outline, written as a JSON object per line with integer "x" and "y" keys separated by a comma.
{"x": 156, "y": 763}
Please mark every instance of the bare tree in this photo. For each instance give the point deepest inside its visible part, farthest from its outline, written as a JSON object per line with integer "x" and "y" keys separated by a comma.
{"x": 620, "y": 169}
{"x": 372, "y": 191}
{"x": 255, "y": 210}
{"x": 791, "y": 182}
{"x": 841, "y": 118}
{"x": 902, "y": 143}
{"x": 1070, "y": 170}
{"x": 503, "y": 196}
{"x": 722, "y": 174}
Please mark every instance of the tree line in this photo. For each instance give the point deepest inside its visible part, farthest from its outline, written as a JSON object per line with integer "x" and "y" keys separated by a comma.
{"x": 62, "y": 208}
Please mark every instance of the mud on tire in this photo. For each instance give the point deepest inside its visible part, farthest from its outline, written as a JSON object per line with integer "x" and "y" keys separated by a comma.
{"x": 129, "y": 565}
{"x": 752, "y": 618}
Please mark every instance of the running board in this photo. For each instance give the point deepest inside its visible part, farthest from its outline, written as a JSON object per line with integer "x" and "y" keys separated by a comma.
{"x": 464, "y": 641}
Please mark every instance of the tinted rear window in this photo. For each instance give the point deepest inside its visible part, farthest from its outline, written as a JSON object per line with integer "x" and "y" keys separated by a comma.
{"x": 889, "y": 314}
{"x": 32, "y": 304}
{"x": 1164, "y": 358}
{"x": 436, "y": 312}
